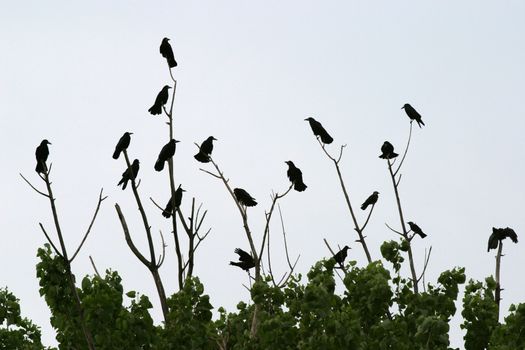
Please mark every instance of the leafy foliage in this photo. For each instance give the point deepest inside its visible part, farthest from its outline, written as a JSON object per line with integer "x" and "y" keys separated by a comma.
{"x": 16, "y": 332}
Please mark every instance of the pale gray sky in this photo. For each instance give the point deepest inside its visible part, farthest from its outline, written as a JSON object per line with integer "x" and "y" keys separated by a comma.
{"x": 249, "y": 73}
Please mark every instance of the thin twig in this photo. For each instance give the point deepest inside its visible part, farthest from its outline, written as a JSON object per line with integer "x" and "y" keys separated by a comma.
{"x": 49, "y": 240}
{"x": 405, "y": 153}
{"x": 368, "y": 217}
{"x": 100, "y": 200}
{"x": 395, "y": 231}
{"x": 427, "y": 258}
{"x": 163, "y": 255}
{"x": 129, "y": 241}
{"x": 94, "y": 266}
{"x": 33, "y": 187}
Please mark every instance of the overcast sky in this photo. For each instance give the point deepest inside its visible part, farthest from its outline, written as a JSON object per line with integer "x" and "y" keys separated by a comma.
{"x": 249, "y": 73}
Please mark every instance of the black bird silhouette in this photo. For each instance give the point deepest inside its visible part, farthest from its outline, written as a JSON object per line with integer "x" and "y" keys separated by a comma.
{"x": 129, "y": 174}
{"x": 167, "y": 151}
{"x": 167, "y": 52}
{"x": 244, "y": 197}
{"x": 371, "y": 200}
{"x": 296, "y": 176}
{"x": 416, "y": 229}
{"x": 122, "y": 144}
{"x": 340, "y": 256}
{"x": 160, "y": 101}
{"x": 499, "y": 234}
{"x": 246, "y": 261}
{"x": 41, "y": 153}
{"x": 178, "y": 200}
{"x": 205, "y": 150}
{"x": 318, "y": 130}
{"x": 413, "y": 114}
{"x": 387, "y": 151}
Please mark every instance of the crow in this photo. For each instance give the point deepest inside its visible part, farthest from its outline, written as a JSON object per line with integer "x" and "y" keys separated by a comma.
{"x": 340, "y": 256}
{"x": 129, "y": 174}
{"x": 160, "y": 101}
{"x": 244, "y": 197}
{"x": 318, "y": 130}
{"x": 296, "y": 176}
{"x": 41, "y": 153}
{"x": 387, "y": 151}
{"x": 167, "y": 52}
{"x": 416, "y": 229}
{"x": 246, "y": 261}
{"x": 178, "y": 200}
{"x": 370, "y": 200}
{"x": 413, "y": 114}
{"x": 205, "y": 150}
{"x": 167, "y": 151}
{"x": 499, "y": 234}
{"x": 122, "y": 144}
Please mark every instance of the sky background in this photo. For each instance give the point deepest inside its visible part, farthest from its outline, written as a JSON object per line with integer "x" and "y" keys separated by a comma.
{"x": 249, "y": 73}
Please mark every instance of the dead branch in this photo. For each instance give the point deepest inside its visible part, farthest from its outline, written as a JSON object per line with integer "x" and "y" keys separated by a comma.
{"x": 50, "y": 241}
{"x": 33, "y": 187}
{"x": 357, "y": 228}
{"x": 405, "y": 153}
{"x": 94, "y": 266}
{"x": 129, "y": 241}
{"x": 100, "y": 199}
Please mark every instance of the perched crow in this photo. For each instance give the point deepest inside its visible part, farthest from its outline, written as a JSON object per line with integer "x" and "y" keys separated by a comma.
{"x": 160, "y": 101}
{"x": 129, "y": 174}
{"x": 318, "y": 130}
{"x": 41, "y": 153}
{"x": 122, "y": 144}
{"x": 205, "y": 150}
{"x": 340, "y": 256}
{"x": 178, "y": 200}
{"x": 296, "y": 176}
{"x": 370, "y": 200}
{"x": 416, "y": 229}
{"x": 499, "y": 234}
{"x": 387, "y": 151}
{"x": 244, "y": 197}
{"x": 413, "y": 114}
{"x": 246, "y": 261}
{"x": 167, "y": 151}
{"x": 167, "y": 52}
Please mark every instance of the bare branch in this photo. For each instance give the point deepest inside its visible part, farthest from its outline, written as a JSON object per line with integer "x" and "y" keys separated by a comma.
{"x": 427, "y": 258}
{"x": 94, "y": 266}
{"x": 156, "y": 204}
{"x": 129, "y": 241}
{"x": 209, "y": 172}
{"x": 275, "y": 198}
{"x": 163, "y": 255}
{"x": 357, "y": 228}
{"x": 100, "y": 200}
{"x": 368, "y": 217}
{"x": 50, "y": 241}
{"x": 33, "y": 187}
{"x": 395, "y": 231}
{"x": 405, "y": 153}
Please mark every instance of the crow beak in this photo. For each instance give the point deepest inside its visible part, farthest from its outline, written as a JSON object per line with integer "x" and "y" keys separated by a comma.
{"x": 177, "y": 141}
{"x": 403, "y": 107}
